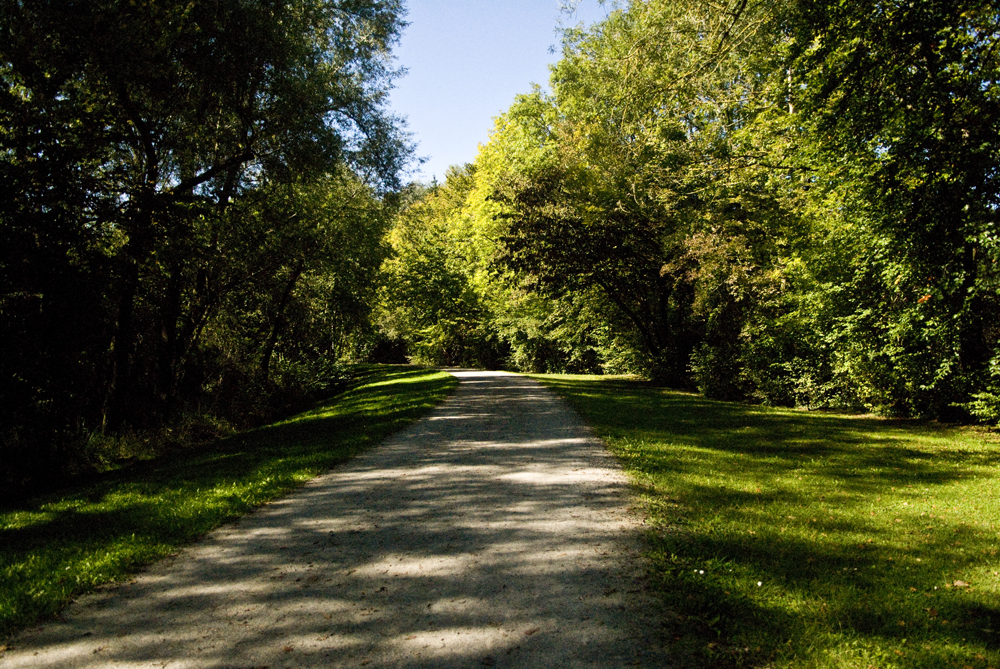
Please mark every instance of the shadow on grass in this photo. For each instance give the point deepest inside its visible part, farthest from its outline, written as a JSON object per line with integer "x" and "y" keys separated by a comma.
{"x": 59, "y": 545}
{"x": 807, "y": 538}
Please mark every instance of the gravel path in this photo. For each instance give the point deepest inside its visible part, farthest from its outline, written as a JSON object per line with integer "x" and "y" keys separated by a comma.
{"x": 492, "y": 533}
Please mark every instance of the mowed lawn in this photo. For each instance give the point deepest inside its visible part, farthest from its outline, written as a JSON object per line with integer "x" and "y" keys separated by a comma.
{"x": 55, "y": 547}
{"x": 784, "y": 538}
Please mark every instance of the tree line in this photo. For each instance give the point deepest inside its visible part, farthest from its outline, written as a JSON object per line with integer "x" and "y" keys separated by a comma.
{"x": 192, "y": 215}
{"x": 787, "y": 202}
{"x": 202, "y": 214}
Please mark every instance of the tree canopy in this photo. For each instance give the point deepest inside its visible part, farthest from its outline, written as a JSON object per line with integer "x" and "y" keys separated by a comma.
{"x": 190, "y": 188}
{"x": 202, "y": 210}
{"x": 786, "y": 202}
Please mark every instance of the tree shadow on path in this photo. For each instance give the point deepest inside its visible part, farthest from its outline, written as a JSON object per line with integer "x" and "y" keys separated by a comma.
{"x": 491, "y": 533}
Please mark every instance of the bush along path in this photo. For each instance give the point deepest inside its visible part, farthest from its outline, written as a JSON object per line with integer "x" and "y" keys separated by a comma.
{"x": 494, "y": 532}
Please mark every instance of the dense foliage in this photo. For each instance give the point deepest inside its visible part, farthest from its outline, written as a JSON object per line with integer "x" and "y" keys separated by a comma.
{"x": 794, "y": 203}
{"x": 787, "y": 202}
{"x": 192, "y": 211}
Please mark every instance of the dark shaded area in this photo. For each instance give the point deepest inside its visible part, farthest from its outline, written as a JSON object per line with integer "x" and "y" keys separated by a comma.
{"x": 175, "y": 241}
{"x": 388, "y": 351}
{"x": 72, "y": 469}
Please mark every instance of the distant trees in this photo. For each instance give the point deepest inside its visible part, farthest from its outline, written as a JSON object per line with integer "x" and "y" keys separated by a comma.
{"x": 186, "y": 185}
{"x": 434, "y": 291}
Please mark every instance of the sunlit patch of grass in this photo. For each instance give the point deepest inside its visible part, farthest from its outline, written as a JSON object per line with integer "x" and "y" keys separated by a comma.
{"x": 782, "y": 538}
{"x": 55, "y": 547}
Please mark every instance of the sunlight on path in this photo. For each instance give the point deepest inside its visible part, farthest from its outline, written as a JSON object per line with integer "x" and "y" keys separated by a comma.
{"x": 491, "y": 533}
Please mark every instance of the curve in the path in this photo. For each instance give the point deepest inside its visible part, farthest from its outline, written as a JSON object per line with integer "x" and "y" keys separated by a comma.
{"x": 494, "y": 532}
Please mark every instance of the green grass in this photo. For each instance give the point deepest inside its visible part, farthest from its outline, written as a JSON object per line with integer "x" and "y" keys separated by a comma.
{"x": 55, "y": 547}
{"x": 782, "y": 538}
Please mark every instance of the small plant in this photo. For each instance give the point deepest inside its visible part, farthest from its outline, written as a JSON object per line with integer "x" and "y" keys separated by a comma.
{"x": 986, "y": 405}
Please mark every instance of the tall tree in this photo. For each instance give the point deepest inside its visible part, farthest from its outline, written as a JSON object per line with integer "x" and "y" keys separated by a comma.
{"x": 432, "y": 297}
{"x": 905, "y": 100}
{"x": 665, "y": 128}
{"x": 128, "y": 130}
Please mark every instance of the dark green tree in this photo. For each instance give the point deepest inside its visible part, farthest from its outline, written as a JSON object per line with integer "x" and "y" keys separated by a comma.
{"x": 131, "y": 136}
{"x": 905, "y": 101}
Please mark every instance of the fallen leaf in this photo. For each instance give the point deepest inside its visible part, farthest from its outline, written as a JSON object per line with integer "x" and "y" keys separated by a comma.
{"x": 960, "y": 584}
{"x": 932, "y": 613}
{"x": 287, "y": 649}
{"x": 531, "y": 631}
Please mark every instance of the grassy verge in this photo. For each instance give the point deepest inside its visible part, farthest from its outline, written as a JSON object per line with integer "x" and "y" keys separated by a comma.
{"x": 55, "y": 547}
{"x": 783, "y": 538}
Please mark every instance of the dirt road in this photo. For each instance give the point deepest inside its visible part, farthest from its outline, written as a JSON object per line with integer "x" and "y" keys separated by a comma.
{"x": 493, "y": 533}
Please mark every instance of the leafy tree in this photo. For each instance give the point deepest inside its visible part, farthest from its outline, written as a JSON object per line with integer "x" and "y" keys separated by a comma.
{"x": 904, "y": 100}
{"x": 432, "y": 297}
{"x": 654, "y": 181}
{"x": 794, "y": 203}
{"x": 136, "y": 140}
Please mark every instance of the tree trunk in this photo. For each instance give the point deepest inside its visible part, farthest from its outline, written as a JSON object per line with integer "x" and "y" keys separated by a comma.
{"x": 278, "y": 323}
{"x": 120, "y": 387}
{"x": 166, "y": 373}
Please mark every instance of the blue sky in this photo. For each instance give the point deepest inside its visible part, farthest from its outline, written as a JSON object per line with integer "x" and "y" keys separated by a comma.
{"x": 466, "y": 60}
